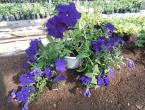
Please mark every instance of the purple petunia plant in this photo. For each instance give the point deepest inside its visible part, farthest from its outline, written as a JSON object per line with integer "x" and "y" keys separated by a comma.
{"x": 99, "y": 52}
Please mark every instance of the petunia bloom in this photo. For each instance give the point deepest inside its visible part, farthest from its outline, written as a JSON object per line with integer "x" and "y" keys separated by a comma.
{"x": 48, "y": 72}
{"x": 103, "y": 80}
{"x": 113, "y": 42}
{"x": 32, "y": 51}
{"x": 24, "y": 93}
{"x": 69, "y": 14}
{"x": 130, "y": 63}
{"x": 11, "y": 96}
{"x": 30, "y": 89}
{"x": 87, "y": 93}
{"x": 60, "y": 78}
{"x": 97, "y": 45}
{"x": 110, "y": 27}
{"x": 56, "y": 27}
{"x": 61, "y": 65}
{"x": 22, "y": 96}
{"x": 85, "y": 80}
{"x": 26, "y": 79}
{"x": 36, "y": 72}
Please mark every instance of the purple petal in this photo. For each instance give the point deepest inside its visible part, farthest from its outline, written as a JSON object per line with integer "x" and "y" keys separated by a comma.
{"x": 111, "y": 71}
{"x": 106, "y": 81}
{"x": 60, "y": 78}
{"x": 60, "y": 65}
{"x": 11, "y": 96}
{"x": 26, "y": 79}
{"x": 100, "y": 80}
{"x": 130, "y": 63}
{"x": 36, "y": 72}
{"x": 110, "y": 27}
{"x": 103, "y": 80}
{"x": 25, "y": 107}
{"x": 85, "y": 80}
{"x": 48, "y": 72}
{"x": 32, "y": 50}
{"x": 87, "y": 93}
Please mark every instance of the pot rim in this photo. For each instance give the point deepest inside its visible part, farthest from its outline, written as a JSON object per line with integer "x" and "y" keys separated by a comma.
{"x": 71, "y": 57}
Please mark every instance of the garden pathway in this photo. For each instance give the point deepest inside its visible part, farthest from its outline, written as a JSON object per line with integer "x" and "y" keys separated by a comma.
{"x": 16, "y": 35}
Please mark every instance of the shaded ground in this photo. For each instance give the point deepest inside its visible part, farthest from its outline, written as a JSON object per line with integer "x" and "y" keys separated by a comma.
{"x": 127, "y": 91}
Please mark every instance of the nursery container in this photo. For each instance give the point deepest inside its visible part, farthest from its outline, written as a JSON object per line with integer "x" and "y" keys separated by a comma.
{"x": 38, "y": 16}
{"x": 17, "y": 17}
{"x": 11, "y": 18}
{"x": 6, "y": 18}
{"x": 72, "y": 62}
{"x": 1, "y": 18}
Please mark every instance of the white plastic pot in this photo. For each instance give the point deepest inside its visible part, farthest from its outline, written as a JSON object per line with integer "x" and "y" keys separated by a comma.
{"x": 72, "y": 62}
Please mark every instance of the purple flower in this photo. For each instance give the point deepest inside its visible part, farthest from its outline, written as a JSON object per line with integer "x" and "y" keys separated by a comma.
{"x": 85, "y": 80}
{"x": 97, "y": 45}
{"x": 48, "y": 72}
{"x": 111, "y": 71}
{"x": 26, "y": 79}
{"x": 31, "y": 52}
{"x": 56, "y": 27}
{"x": 113, "y": 42}
{"x": 30, "y": 89}
{"x": 103, "y": 80}
{"x": 23, "y": 95}
{"x": 36, "y": 72}
{"x": 60, "y": 65}
{"x": 110, "y": 27}
{"x": 25, "y": 64}
{"x": 25, "y": 107}
{"x": 60, "y": 78}
{"x": 117, "y": 40}
{"x": 69, "y": 14}
{"x": 130, "y": 63}
{"x": 11, "y": 96}
{"x": 87, "y": 92}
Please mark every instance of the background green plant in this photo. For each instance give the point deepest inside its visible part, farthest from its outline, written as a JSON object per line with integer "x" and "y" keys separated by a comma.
{"x": 141, "y": 39}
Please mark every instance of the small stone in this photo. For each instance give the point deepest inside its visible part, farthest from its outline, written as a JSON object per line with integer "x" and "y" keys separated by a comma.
{"x": 96, "y": 87}
{"x": 128, "y": 104}
{"x": 139, "y": 106}
{"x": 54, "y": 105}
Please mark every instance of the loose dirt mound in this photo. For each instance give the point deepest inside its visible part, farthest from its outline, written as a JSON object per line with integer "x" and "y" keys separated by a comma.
{"x": 126, "y": 92}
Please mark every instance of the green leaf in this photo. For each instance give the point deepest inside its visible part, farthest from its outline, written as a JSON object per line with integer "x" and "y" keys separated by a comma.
{"x": 96, "y": 70}
{"x": 94, "y": 80}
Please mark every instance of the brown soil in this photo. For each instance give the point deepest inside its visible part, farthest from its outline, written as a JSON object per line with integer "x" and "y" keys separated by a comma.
{"x": 126, "y": 92}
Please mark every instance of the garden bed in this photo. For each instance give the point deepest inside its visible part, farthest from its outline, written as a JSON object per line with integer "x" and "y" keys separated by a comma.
{"x": 126, "y": 92}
